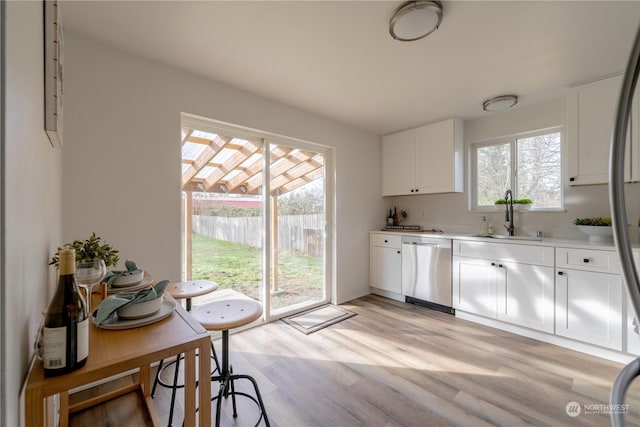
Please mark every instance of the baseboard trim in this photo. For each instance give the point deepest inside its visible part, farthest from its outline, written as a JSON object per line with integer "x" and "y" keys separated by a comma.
{"x": 590, "y": 349}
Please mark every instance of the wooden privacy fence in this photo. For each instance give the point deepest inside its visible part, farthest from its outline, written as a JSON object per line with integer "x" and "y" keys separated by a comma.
{"x": 299, "y": 234}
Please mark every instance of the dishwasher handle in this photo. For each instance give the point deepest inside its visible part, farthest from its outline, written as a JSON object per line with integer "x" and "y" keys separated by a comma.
{"x": 433, "y": 245}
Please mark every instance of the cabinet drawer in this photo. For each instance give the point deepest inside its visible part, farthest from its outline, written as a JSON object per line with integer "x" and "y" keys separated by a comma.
{"x": 588, "y": 260}
{"x": 386, "y": 240}
{"x": 537, "y": 255}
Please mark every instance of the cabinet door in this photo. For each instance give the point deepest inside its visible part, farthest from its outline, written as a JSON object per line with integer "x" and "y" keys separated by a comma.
{"x": 385, "y": 268}
{"x": 398, "y": 163}
{"x": 590, "y": 114}
{"x": 439, "y": 157}
{"x": 589, "y": 307}
{"x": 526, "y": 296}
{"x": 633, "y": 338}
{"x": 474, "y": 286}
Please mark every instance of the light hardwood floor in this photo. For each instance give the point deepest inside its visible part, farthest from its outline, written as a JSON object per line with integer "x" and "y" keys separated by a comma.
{"x": 396, "y": 364}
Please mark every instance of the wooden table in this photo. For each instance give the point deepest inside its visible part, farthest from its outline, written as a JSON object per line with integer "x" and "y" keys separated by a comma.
{"x": 113, "y": 352}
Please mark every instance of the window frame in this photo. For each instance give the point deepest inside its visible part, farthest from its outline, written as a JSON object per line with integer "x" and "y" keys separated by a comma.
{"x": 512, "y": 141}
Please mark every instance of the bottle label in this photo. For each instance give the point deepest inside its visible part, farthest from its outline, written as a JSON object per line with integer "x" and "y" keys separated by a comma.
{"x": 83, "y": 339}
{"x": 55, "y": 344}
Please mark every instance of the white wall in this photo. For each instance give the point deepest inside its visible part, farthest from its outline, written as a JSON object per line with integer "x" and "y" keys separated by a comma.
{"x": 31, "y": 199}
{"x": 122, "y": 157}
{"x": 450, "y": 211}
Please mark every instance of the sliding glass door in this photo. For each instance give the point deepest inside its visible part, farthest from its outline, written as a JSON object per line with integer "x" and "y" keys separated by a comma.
{"x": 255, "y": 215}
{"x": 298, "y": 221}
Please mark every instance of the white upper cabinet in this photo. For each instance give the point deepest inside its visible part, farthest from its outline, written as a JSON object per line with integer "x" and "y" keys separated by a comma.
{"x": 425, "y": 160}
{"x": 591, "y": 110}
{"x": 398, "y": 163}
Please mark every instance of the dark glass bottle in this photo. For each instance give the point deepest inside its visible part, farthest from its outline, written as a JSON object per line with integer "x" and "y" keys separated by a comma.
{"x": 395, "y": 216}
{"x": 66, "y": 323}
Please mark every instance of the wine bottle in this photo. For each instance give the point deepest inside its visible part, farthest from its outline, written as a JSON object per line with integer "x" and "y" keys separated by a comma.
{"x": 390, "y": 218}
{"x": 66, "y": 322}
{"x": 395, "y": 216}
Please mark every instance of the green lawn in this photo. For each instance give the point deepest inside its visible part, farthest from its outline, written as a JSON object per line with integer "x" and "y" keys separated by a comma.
{"x": 238, "y": 266}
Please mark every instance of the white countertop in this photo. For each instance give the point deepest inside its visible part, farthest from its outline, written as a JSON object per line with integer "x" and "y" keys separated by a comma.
{"x": 581, "y": 244}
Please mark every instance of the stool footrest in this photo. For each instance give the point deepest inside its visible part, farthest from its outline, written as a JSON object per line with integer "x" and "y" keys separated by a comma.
{"x": 227, "y": 389}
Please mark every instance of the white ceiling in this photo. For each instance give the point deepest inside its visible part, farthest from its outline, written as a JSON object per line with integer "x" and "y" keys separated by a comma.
{"x": 336, "y": 58}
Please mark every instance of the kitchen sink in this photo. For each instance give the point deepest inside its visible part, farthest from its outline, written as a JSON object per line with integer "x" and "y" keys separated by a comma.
{"x": 505, "y": 237}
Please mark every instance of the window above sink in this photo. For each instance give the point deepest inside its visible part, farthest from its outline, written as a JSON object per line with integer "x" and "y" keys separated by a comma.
{"x": 530, "y": 164}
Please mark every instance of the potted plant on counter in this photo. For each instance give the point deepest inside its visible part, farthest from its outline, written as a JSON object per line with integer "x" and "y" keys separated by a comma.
{"x": 597, "y": 228}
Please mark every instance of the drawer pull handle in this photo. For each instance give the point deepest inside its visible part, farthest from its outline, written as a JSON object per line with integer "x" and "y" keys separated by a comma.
{"x": 493, "y": 264}
{"x": 398, "y": 251}
{"x": 386, "y": 241}
{"x": 587, "y": 260}
{"x": 500, "y": 265}
{"x": 560, "y": 273}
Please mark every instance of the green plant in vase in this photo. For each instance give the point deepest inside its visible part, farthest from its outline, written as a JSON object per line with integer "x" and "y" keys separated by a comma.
{"x": 90, "y": 249}
{"x": 93, "y": 256}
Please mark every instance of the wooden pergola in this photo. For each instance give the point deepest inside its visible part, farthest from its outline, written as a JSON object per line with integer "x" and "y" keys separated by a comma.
{"x": 223, "y": 164}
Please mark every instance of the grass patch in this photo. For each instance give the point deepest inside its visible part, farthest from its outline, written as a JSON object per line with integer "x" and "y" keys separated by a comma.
{"x": 239, "y": 267}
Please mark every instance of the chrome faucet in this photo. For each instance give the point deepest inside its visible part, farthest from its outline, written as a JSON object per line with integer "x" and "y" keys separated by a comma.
{"x": 508, "y": 213}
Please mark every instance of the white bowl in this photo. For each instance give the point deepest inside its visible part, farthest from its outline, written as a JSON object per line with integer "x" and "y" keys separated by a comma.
{"x": 597, "y": 233}
{"x": 128, "y": 280}
{"x": 140, "y": 309}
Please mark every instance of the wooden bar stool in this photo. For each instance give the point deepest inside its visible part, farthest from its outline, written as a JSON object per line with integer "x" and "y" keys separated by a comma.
{"x": 221, "y": 316}
{"x": 183, "y": 290}
{"x": 191, "y": 289}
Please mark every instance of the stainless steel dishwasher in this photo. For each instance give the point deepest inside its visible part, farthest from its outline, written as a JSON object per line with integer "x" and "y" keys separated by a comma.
{"x": 426, "y": 272}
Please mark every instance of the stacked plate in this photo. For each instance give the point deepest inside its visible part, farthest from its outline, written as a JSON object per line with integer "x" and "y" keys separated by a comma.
{"x": 130, "y": 282}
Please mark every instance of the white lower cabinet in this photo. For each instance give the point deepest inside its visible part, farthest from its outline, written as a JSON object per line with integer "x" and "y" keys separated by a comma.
{"x": 589, "y": 290}
{"x": 474, "y": 286}
{"x": 633, "y": 339}
{"x": 385, "y": 262}
{"x": 516, "y": 292}
{"x": 527, "y": 296}
{"x": 589, "y": 307}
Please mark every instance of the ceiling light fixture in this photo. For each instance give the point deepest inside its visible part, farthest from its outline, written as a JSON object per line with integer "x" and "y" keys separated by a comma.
{"x": 500, "y": 103}
{"x": 413, "y": 20}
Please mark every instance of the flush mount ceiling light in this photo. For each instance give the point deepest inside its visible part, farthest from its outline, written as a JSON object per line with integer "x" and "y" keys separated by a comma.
{"x": 500, "y": 103}
{"x": 413, "y": 20}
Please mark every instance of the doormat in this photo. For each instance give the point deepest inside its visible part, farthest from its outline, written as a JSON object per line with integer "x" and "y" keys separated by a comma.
{"x": 318, "y": 318}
